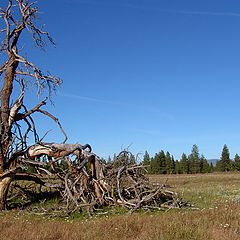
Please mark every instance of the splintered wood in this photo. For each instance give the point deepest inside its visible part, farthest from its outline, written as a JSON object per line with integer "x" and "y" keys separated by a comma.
{"x": 86, "y": 182}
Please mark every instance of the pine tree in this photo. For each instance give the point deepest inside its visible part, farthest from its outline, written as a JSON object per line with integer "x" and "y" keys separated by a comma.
{"x": 152, "y": 165}
{"x": 225, "y": 163}
{"x": 146, "y": 161}
{"x": 162, "y": 162}
{"x": 204, "y": 165}
{"x": 178, "y": 167}
{"x": 158, "y": 164}
{"x": 184, "y": 164}
{"x": 237, "y": 162}
{"x": 173, "y": 165}
{"x": 168, "y": 160}
{"x": 194, "y": 160}
{"x": 155, "y": 165}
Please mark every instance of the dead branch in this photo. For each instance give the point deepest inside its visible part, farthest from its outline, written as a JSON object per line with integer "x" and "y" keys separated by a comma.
{"x": 82, "y": 187}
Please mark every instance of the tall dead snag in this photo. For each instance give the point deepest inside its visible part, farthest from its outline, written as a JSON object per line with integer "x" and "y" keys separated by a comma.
{"x": 17, "y": 17}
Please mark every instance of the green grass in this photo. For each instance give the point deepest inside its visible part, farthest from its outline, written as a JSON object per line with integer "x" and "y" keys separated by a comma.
{"x": 204, "y": 190}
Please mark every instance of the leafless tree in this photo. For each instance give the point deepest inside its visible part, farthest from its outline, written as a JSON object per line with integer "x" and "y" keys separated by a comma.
{"x": 18, "y": 17}
{"x": 80, "y": 185}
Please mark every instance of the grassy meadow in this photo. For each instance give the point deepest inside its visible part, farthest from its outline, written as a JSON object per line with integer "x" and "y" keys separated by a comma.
{"x": 216, "y": 215}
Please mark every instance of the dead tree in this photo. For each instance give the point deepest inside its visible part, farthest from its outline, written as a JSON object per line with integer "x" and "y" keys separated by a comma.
{"x": 18, "y": 17}
{"x": 81, "y": 185}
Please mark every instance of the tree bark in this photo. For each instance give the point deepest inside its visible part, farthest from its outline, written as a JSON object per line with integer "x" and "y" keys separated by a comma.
{"x": 4, "y": 186}
{"x": 5, "y": 104}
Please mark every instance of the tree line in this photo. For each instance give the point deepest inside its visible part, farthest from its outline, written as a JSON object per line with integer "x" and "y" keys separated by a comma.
{"x": 164, "y": 162}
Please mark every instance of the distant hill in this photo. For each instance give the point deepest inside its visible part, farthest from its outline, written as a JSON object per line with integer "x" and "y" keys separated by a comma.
{"x": 213, "y": 161}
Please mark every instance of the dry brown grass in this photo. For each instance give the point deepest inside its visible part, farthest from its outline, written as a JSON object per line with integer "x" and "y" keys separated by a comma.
{"x": 219, "y": 218}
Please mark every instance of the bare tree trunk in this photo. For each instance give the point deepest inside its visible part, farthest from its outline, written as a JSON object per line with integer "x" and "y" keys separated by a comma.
{"x": 5, "y": 104}
{"x": 4, "y": 186}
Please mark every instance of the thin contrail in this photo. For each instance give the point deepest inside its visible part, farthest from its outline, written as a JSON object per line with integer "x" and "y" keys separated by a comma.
{"x": 134, "y": 6}
{"x": 90, "y": 99}
{"x": 226, "y": 14}
{"x": 149, "y": 109}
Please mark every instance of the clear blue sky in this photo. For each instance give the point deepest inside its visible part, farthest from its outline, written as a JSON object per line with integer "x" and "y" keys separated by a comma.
{"x": 156, "y": 74}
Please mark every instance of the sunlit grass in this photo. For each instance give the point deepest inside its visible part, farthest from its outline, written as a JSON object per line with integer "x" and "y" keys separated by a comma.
{"x": 217, "y": 197}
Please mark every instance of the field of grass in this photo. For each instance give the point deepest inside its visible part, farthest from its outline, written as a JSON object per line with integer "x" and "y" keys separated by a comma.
{"x": 216, "y": 198}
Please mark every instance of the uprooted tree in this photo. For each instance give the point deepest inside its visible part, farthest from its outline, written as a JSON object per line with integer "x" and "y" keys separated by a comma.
{"x": 84, "y": 181}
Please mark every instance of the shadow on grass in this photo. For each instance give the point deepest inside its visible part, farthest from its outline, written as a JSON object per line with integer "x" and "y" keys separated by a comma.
{"x": 26, "y": 198}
